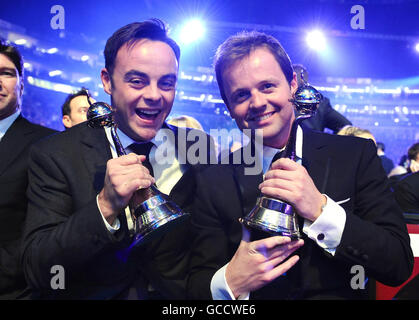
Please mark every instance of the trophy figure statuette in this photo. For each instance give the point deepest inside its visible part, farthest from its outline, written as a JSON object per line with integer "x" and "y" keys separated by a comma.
{"x": 152, "y": 211}
{"x": 271, "y": 215}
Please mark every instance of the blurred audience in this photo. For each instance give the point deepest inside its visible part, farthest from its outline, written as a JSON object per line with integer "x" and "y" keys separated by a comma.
{"x": 186, "y": 122}
{"x": 356, "y": 132}
{"x": 388, "y": 164}
{"x": 412, "y": 165}
{"x": 402, "y": 167}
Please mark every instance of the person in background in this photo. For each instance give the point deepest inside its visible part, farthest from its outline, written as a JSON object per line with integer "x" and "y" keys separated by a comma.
{"x": 17, "y": 135}
{"x": 412, "y": 165}
{"x": 75, "y": 108}
{"x": 326, "y": 116}
{"x": 388, "y": 164}
{"x": 185, "y": 122}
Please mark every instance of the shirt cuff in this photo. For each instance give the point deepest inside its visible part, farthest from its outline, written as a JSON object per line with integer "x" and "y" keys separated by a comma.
{"x": 220, "y": 289}
{"x": 327, "y": 229}
{"x": 111, "y": 228}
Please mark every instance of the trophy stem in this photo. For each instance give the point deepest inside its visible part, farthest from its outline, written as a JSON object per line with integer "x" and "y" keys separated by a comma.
{"x": 271, "y": 215}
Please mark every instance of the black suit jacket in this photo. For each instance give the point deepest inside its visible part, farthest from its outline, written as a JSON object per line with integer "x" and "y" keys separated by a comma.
{"x": 374, "y": 236}
{"x": 14, "y": 155}
{"x": 64, "y": 226}
{"x": 326, "y": 117}
{"x": 407, "y": 193}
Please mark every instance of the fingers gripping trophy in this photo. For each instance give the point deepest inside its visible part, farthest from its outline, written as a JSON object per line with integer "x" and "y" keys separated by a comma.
{"x": 152, "y": 212}
{"x": 271, "y": 215}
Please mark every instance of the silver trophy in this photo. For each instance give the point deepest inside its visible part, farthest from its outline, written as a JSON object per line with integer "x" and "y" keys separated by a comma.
{"x": 271, "y": 215}
{"x": 152, "y": 211}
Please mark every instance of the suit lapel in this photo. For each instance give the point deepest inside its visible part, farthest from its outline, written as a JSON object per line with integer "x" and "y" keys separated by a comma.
{"x": 14, "y": 142}
{"x": 316, "y": 159}
{"x": 247, "y": 184}
{"x": 95, "y": 151}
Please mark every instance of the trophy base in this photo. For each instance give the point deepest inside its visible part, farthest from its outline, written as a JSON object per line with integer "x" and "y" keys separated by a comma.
{"x": 158, "y": 228}
{"x": 261, "y": 230}
{"x": 154, "y": 217}
{"x": 274, "y": 217}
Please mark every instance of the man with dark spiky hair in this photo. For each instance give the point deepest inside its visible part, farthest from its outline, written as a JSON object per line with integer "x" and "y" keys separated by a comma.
{"x": 16, "y": 136}
{"x": 80, "y": 190}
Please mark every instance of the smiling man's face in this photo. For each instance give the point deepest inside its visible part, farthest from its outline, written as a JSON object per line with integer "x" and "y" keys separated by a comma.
{"x": 258, "y": 96}
{"x": 143, "y": 87}
{"x": 11, "y": 87}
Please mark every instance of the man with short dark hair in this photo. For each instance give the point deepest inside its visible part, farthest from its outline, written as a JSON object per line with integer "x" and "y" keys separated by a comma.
{"x": 75, "y": 108}
{"x": 79, "y": 189}
{"x": 16, "y": 136}
{"x": 337, "y": 188}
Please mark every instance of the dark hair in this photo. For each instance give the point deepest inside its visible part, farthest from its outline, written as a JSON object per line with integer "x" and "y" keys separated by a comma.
{"x": 241, "y": 45}
{"x": 413, "y": 151}
{"x": 14, "y": 55}
{"x": 381, "y": 146}
{"x": 66, "y": 110}
{"x": 153, "y": 29}
{"x": 298, "y": 68}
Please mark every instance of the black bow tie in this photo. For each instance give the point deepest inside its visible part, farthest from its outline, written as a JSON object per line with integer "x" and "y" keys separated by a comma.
{"x": 143, "y": 149}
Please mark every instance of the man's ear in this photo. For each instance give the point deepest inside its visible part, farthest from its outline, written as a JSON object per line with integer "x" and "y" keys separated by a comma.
{"x": 294, "y": 83}
{"x": 106, "y": 81}
{"x": 67, "y": 121}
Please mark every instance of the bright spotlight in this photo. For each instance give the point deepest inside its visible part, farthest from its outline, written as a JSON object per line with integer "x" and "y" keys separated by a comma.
{"x": 417, "y": 47}
{"x": 192, "y": 31}
{"x": 316, "y": 40}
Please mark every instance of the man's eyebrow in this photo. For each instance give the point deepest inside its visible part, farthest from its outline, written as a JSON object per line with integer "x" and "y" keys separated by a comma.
{"x": 170, "y": 76}
{"x": 135, "y": 73}
{"x": 8, "y": 69}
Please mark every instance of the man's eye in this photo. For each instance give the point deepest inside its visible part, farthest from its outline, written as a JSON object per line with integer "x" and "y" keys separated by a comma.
{"x": 241, "y": 96}
{"x": 137, "y": 81}
{"x": 167, "y": 85}
{"x": 267, "y": 86}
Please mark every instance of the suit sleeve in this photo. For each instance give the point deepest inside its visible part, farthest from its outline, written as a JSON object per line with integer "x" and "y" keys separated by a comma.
{"x": 333, "y": 119}
{"x": 407, "y": 194}
{"x": 56, "y": 232}
{"x": 215, "y": 237}
{"x": 375, "y": 234}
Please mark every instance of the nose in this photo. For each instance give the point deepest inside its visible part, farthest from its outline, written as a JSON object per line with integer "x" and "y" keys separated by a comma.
{"x": 258, "y": 100}
{"x": 152, "y": 94}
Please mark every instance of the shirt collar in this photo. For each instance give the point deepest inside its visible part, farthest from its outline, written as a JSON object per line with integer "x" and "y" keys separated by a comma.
{"x": 268, "y": 152}
{"x": 126, "y": 140}
{"x": 6, "y": 123}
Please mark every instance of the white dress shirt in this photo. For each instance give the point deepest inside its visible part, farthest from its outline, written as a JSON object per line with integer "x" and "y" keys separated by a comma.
{"x": 330, "y": 223}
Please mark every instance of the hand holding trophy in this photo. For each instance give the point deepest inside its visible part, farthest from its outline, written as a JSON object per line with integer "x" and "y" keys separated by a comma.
{"x": 152, "y": 212}
{"x": 271, "y": 215}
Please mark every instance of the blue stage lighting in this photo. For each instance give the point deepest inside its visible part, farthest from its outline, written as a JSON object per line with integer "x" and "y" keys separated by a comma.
{"x": 316, "y": 40}
{"x": 417, "y": 47}
{"x": 191, "y": 31}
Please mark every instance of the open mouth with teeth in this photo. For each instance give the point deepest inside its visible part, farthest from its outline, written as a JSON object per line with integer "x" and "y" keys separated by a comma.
{"x": 261, "y": 117}
{"x": 147, "y": 114}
